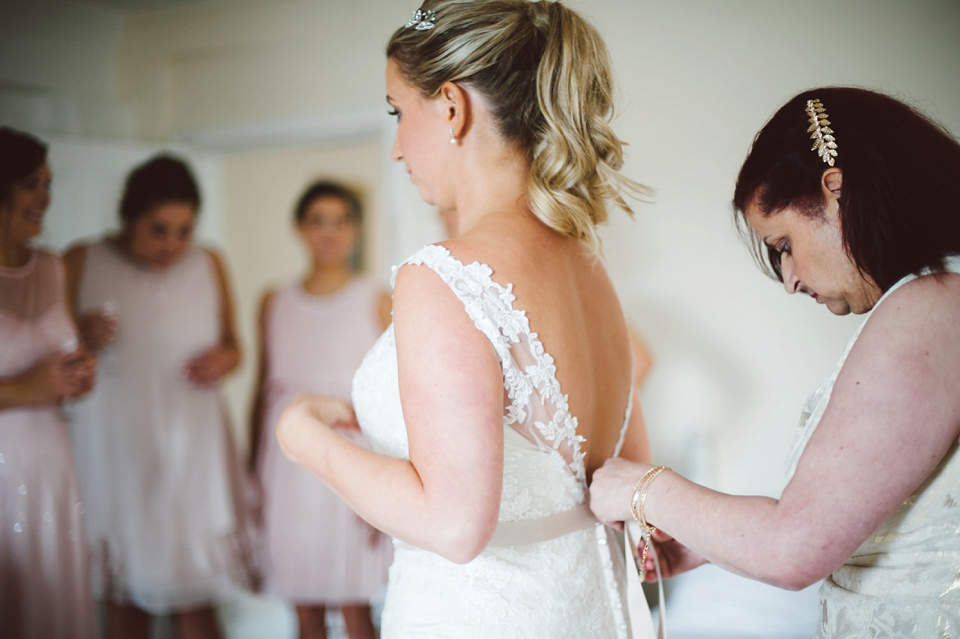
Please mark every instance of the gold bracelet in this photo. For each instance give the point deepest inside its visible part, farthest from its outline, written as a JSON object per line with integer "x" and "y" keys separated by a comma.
{"x": 640, "y": 493}
{"x": 637, "y": 499}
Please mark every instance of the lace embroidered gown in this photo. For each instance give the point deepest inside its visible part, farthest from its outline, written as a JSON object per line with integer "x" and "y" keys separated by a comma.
{"x": 158, "y": 467}
{"x": 903, "y": 582}
{"x": 318, "y": 550}
{"x": 564, "y": 586}
{"x": 44, "y": 572}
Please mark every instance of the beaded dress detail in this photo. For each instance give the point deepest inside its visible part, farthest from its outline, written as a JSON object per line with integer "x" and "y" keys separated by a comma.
{"x": 566, "y": 586}
{"x": 45, "y": 590}
{"x": 904, "y": 580}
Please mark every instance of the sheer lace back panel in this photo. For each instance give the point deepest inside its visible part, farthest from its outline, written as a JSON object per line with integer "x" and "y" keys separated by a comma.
{"x": 535, "y": 406}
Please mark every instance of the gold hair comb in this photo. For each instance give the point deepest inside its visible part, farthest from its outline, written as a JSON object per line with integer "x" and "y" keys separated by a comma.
{"x": 820, "y": 132}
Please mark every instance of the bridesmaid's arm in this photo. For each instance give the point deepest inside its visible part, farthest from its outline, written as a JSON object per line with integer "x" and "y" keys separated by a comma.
{"x": 636, "y": 443}
{"x": 74, "y": 260}
{"x": 210, "y": 367}
{"x": 37, "y": 387}
{"x": 893, "y": 415}
{"x": 229, "y": 344}
{"x": 256, "y": 410}
{"x": 385, "y": 310}
{"x": 446, "y": 497}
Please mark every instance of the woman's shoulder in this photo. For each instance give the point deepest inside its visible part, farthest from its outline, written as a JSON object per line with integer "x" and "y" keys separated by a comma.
{"x": 77, "y": 252}
{"x": 447, "y": 259}
{"x": 918, "y": 296}
{"x": 913, "y": 323}
{"x": 46, "y": 256}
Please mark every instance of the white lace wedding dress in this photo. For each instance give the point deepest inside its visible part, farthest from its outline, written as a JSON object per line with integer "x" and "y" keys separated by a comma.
{"x": 549, "y": 572}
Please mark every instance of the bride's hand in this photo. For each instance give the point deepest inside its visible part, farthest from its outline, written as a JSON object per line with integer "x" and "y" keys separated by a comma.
{"x": 310, "y": 418}
{"x": 674, "y": 557}
{"x": 611, "y": 488}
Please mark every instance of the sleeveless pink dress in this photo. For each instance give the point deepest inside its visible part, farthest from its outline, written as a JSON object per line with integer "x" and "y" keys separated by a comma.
{"x": 44, "y": 574}
{"x": 318, "y": 550}
{"x": 157, "y": 463}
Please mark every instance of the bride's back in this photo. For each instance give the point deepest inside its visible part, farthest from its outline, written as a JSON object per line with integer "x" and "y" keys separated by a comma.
{"x": 531, "y": 168}
{"x": 563, "y": 288}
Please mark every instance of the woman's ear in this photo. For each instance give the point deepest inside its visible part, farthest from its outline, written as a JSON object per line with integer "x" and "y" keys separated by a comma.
{"x": 831, "y": 182}
{"x": 455, "y": 103}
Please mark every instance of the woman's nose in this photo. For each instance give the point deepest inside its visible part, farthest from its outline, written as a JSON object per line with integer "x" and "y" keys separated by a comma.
{"x": 790, "y": 280}
{"x": 395, "y": 154}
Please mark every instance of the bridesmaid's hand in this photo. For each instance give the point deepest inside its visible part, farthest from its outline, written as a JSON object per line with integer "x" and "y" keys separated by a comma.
{"x": 81, "y": 371}
{"x": 674, "y": 557}
{"x": 611, "y": 489}
{"x": 61, "y": 377}
{"x": 207, "y": 369}
{"x": 97, "y": 329}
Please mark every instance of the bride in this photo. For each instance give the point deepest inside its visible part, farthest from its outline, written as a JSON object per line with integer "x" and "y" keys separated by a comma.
{"x": 505, "y": 378}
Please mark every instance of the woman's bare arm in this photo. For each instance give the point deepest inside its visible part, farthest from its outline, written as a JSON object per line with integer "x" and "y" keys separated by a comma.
{"x": 893, "y": 415}
{"x": 446, "y": 498}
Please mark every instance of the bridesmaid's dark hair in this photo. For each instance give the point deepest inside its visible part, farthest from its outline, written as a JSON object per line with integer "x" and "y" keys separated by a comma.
{"x": 900, "y": 198}
{"x": 20, "y": 155}
{"x": 328, "y": 188}
{"x": 162, "y": 179}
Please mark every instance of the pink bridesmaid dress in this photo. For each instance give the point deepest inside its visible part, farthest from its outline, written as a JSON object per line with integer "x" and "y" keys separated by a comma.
{"x": 45, "y": 590}
{"x": 318, "y": 550}
{"x": 156, "y": 459}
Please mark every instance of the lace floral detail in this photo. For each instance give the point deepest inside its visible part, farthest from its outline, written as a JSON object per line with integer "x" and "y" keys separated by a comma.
{"x": 490, "y": 306}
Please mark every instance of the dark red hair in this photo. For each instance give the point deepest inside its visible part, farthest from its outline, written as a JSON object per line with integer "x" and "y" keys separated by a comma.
{"x": 900, "y": 199}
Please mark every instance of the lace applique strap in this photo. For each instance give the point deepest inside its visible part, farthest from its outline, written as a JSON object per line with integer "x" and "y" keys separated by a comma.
{"x": 488, "y": 304}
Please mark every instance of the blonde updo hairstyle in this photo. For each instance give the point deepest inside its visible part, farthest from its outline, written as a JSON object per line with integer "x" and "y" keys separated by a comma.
{"x": 546, "y": 73}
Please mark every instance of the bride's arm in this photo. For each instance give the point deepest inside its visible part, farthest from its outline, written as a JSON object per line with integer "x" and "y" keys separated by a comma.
{"x": 893, "y": 415}
{"x": 446, "y": 498}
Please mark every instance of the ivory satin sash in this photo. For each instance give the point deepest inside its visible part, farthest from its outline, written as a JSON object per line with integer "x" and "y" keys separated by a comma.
{"x": 532, "y": 531}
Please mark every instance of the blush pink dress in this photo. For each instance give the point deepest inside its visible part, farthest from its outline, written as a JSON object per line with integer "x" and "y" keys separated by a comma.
{"x": 157, "y": 463}
{"x": 318, "y": 550}
{"x": 45, "y": 588}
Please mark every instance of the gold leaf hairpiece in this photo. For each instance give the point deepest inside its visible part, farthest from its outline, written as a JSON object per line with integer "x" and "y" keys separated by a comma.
{"x": 820, "y": 132}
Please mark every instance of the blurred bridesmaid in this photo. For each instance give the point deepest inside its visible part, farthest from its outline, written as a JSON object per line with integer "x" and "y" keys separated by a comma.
{"x": 156, "y": 459}
{"x": 314, "y": 333}
{"x": 44, "y": 574}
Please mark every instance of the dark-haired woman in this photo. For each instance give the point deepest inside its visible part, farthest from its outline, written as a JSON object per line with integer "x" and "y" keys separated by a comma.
{"x": 868, "y": 220}
{"x": 44, "y": 570}
{"x": 314, "y": 333}
{"x": 156, "y": 461}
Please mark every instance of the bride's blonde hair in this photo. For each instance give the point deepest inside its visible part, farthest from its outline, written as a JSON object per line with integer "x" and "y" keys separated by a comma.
{"x": 546, "y": 73}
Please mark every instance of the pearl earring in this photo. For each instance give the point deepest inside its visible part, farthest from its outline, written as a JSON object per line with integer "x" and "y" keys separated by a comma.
{"x": 453, "y": 137}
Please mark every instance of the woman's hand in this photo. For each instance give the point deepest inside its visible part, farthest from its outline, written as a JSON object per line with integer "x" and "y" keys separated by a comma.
{"x": 674, "y": 557}
{"x": 61, "y": 377}
{"x": 310, "y": 418}
{"x": 97, "y": 329}
{"x": 207, "y": 369}
{"x": 611, "y": 489}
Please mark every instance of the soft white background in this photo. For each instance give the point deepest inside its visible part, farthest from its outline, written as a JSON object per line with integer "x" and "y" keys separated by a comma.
{"x": 110, "y": 82}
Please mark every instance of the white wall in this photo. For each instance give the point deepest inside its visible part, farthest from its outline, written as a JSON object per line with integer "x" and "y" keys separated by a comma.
{"x": 57, "y": 68}
{"x": 735, "y": 356}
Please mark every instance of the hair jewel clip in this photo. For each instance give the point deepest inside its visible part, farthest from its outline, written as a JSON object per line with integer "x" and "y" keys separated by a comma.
{"x": 422, "y": 20}
{"x": 820, "y": 132}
